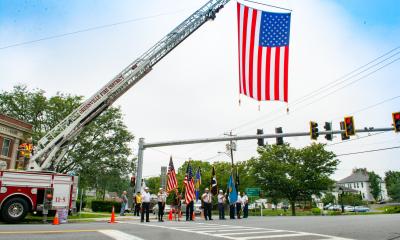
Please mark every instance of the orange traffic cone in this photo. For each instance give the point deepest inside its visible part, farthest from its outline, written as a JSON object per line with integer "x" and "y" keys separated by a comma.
{"x": 112, "y": 220}
{"x": 193, "y": 216}
{"x": 55, "y": 219}
{"x": 170, "y": 215}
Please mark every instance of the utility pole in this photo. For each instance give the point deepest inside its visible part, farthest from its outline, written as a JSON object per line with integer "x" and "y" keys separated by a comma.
{"x": 231, "y": 147}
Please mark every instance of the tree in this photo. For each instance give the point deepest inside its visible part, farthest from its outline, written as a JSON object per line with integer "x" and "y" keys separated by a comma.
{"x": 375, "y": 185}
{"x": 392, "y": 180}
{"x": 328, "y": 198}
{"x": 295, "y": 174}
{"x": 100, "y": 155}
{"x": 352, "y": 199}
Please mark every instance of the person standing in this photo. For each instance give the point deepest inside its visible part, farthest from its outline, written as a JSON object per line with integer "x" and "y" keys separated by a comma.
{"x": 145, "y": 205}
{"x": 161, "y": 199}
{"x": 245, "y": 201}
{"x": 207, "y": 199}
{"x": 178, "y": 205}
{"x": 138, "y": 203}
{"x": 232, "y": 205}
{"x": 221, "y": 205}
{"x": 189, "y": 211}
{"x": 124, "y": 203}
{"x": 239, "y": 206}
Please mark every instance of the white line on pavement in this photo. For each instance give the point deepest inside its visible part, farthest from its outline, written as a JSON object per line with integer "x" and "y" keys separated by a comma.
{"x": 118, "y": 235}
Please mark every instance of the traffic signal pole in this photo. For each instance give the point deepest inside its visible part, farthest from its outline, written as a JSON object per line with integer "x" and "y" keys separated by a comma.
{"x": 143, "y": 145}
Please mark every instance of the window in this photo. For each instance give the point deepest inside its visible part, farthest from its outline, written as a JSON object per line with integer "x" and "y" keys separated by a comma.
{"x": 6, "y": 147}
{"x": 363, "y": 196}
{"x": 358, "y": 185}
{"x": 362, "y": 184}
{"x": 354, "y": 185}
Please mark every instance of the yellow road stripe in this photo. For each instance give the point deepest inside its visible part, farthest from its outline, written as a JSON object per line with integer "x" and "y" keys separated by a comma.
{"x": 48, "y": 231}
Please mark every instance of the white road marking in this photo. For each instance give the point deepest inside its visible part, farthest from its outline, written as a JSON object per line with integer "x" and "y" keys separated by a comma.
{"x": 229, "y": 231}
{"x": 118, "y": 235}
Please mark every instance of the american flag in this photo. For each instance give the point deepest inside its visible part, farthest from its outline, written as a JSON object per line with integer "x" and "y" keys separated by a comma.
{"x": 189, "y": 185}
{"x": 263, "y": 42}
{"x": 172, "y": 183}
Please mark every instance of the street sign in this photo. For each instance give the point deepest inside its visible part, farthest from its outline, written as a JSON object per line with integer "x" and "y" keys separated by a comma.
{"x": 253, "y": 192}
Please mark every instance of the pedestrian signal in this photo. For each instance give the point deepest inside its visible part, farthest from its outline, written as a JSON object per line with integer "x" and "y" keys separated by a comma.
{"x": 349, "y": 126}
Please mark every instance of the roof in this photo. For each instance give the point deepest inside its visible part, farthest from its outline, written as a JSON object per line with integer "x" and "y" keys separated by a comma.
{"x": 15, "y": 122}
{"x": 358, "y": 175}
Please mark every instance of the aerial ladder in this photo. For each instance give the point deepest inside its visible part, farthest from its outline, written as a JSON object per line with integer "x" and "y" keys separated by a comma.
{"x": 52, "y": 147}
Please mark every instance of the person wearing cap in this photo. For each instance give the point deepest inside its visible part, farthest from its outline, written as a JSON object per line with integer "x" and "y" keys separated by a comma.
{"x": 221, "y": 205}
{"x": 207, "y": 199}
{"x": 145, "y": 205}
{"x": 161, "y": 199}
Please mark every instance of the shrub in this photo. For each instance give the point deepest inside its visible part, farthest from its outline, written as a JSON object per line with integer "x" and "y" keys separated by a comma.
{"x": 316, "y": 211}
{"x": 105, "y": 206}
{"x": 394, "y": 209}
{"x": 335, "y": 213}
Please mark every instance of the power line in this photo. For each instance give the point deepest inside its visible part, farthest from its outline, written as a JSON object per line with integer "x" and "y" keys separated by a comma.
{"x": 368, "y": 151}
{"x": 354, "y": 139}
{"x": 88, "y": 29}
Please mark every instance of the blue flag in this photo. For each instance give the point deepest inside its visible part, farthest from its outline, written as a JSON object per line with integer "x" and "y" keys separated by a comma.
{"x": 197, "y": 183}
{"x": 232, "y": 191}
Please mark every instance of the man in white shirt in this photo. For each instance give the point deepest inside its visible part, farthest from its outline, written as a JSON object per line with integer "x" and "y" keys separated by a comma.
{"x": 239, "y": 206}
{"x": 245, "y": 201}
{"x": 145, "y": 204}
{"x": 207, "y": 200}
{"x": 221, "y": 205}
{"x": 161, "y": 199}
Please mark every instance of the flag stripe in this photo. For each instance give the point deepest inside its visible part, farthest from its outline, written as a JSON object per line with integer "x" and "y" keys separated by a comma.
{"x": 286, "y": 74}
{"x": 244, "y": 37}
{"x": 259, "y": 62}
{"x": 251, "y": 50}
{"x": 240, "y": 72}
{"x": 276, "y": 73}
{"x": 268, "y": 74}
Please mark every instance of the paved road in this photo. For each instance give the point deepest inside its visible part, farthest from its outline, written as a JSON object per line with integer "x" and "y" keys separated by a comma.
{"x": 371, "y": 227}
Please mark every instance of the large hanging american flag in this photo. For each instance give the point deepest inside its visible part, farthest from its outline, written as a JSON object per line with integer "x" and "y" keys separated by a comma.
{"x": 189, "y": 185}
{"x": 263, "y": 42}
{"x": 172, "y": 183}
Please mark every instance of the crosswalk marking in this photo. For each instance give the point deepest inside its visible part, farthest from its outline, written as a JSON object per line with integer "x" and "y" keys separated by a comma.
{"x": 118, "y": 235}
{"x": 236, "y": 232}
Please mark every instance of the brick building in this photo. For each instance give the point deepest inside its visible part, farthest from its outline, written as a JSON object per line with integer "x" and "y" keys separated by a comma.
{"x": 13, "y": 132}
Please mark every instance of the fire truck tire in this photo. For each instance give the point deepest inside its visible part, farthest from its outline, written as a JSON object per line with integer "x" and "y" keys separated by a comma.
{"x": 14, "y": 210}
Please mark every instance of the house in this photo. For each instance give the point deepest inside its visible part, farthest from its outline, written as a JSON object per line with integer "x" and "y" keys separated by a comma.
{"x": 13, "y": 134}
{"x": 359, "y": 181}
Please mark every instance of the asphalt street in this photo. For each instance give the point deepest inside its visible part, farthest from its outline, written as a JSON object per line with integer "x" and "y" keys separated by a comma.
{"x": 371, "y": 227}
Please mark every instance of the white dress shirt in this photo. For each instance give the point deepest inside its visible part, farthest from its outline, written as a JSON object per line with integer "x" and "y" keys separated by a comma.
{"x": 146, "y": 197}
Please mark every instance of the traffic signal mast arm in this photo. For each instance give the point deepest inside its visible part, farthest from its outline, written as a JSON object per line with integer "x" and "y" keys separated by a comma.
{"x": 54, "y": 145}
{"x": 249, "y": 137}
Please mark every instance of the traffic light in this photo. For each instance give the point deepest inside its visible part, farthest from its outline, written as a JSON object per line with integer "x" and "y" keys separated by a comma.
{"x": 349, "y": 126}
{"x": 133, "y": 181}
{"x": 314, "y": 130}
{"x": 344, "y": 136}
{"x": 396, "y": 121}
{"x": 279, "y": 140}
{"x": 260, "y": 141}
{"x": 328, "y": 128}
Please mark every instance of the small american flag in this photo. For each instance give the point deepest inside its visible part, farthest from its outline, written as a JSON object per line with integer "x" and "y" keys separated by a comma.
{"x": 263, "y": 42}
{"x": 189, "y": 185}
{"x": 172, "y": 183}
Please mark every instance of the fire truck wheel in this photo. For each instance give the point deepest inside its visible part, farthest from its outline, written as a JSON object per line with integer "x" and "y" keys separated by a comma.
{"x": 14, "y": 210}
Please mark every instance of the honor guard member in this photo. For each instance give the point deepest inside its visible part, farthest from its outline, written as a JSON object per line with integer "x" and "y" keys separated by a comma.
{"x": 161, "y": 199}
{"x": 221, "y": 205}
{"x": 145, "y": 205}
{"x": 207, "y": 199}
{"x": 239, "y": 206}
{"x": 245, "y": 204}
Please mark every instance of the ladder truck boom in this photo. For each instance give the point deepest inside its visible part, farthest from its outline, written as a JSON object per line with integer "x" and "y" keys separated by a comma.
{"x": 53, "y": 146}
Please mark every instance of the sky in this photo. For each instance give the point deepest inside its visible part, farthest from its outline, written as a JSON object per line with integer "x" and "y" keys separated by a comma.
{"x": 193, "y": 91}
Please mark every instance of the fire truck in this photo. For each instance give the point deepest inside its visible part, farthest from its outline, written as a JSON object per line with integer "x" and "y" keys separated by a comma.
{"x": 39, "y": 190}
